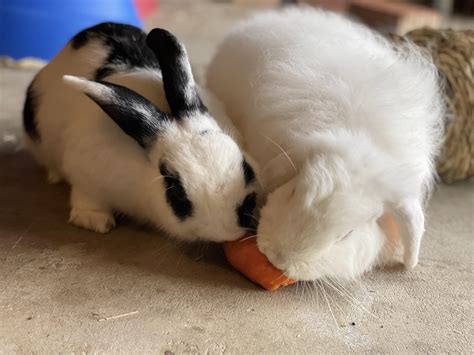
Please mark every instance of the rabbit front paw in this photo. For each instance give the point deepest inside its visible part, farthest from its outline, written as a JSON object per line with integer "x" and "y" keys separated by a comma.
{"x": 97, "y": 221}
{"x": 89, "y": 213}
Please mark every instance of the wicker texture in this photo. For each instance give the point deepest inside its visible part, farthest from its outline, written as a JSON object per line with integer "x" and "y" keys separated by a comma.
{"x": 453, "y": 54}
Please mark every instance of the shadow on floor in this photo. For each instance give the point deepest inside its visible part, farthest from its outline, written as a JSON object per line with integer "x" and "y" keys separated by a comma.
{"x": 33, "y": 215}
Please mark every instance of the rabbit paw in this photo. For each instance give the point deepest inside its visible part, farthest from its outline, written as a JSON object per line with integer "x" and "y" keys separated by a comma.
{"x": 89, "y": 213}
{"x": 97, "y": 221}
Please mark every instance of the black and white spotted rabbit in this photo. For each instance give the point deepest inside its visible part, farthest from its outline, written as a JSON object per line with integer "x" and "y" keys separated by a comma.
{"x": 117, "y": 115}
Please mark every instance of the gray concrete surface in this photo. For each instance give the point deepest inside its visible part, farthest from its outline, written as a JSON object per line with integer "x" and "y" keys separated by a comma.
{"x": 58, "y": 283}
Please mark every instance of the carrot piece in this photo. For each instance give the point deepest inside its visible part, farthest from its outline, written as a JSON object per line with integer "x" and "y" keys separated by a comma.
{"x": 245, "y": 256}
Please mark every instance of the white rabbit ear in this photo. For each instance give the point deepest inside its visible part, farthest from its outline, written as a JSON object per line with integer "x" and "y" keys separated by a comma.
{"x": 133, "y": 113}
{"x": 410, "y": 224}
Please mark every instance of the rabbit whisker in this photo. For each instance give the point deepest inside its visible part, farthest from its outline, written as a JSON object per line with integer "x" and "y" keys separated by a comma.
{"x": 349, "y": 296}
{"x": 328, "y": 303}
{"x": 282, "y": 150}
{"x": 334, "y": 298}
{"x": 247, "y": 238}
{"x": 251, "y": 216}
{"x": 162, "y": 177}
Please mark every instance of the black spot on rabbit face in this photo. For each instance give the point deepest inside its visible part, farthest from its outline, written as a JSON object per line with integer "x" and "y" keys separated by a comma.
{"x": 126, "y": 44}
{"x": 249, "y": 175}
{"x": 29, "y": 114}
{"x": 245, "y": 211}
{"x": 175, "y": 193}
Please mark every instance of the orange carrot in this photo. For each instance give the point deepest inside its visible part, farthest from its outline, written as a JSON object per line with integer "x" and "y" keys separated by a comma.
{"x": 245, "y": 256}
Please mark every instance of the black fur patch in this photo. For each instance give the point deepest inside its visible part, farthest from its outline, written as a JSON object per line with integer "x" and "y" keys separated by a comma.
{"x": 103, "y": 72}
{"x": 178, "y": 79}
{"x": 175, "y": 193}
{"x": 245, "y": 211}
{"x": 29, "y": 114}
{"x": 127, "y": 47}
{"x": 141, "y": 125}
{"x": 249, "y": 174}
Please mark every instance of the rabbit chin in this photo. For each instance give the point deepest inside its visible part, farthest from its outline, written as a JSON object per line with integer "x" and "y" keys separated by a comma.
{"x": 305, "y": 254}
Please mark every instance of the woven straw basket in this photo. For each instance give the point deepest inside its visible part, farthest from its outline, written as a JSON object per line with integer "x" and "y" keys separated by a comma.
{"x": 453, "y": 54}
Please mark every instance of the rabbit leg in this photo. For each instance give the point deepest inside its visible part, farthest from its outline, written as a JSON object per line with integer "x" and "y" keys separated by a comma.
{"x": 88, "y": 213}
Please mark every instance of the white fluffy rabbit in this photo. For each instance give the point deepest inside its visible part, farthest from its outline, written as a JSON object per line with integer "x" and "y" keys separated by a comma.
{"x": 110, "y": 133}
{"x": 345, "y": 128}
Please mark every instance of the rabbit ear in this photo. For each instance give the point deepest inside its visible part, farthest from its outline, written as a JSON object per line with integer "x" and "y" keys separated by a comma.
{"x": 410, "y": 223}
{"x": 178, "y": 80}
{"x": 133, "y": 113}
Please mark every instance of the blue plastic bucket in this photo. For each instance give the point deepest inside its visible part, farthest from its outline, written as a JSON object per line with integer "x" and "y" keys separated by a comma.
{"x": 40, "y": 28}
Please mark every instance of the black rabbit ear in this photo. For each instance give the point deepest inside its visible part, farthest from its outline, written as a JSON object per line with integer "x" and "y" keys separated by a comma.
{"x": 133, "y": 113}
{"x": 178, "y": 80}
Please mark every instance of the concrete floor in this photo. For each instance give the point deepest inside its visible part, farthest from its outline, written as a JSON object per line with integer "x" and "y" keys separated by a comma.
{"x": 59, "y": 284}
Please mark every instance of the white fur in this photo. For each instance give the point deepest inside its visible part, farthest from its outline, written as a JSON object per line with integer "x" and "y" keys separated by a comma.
{"x": 360, "y": 121}
{"x": 108, "y": 171}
